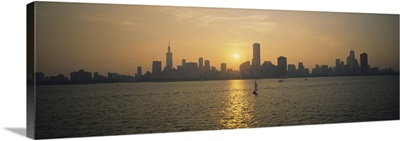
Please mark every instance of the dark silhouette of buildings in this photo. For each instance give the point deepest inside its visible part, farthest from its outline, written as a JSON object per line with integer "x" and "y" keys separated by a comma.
{"x": 113, "y": 76}
{"x": 168, "y": 66}
{"x": 223, "y": 67}
{"x": 139, "y": 71}
{"x": 156, "y": 70}
{"x": 282, "y": 66}
{"x": 352, "y": 63}
{"x": 291, "y": 70}
{"x": 268, "y": 70}
{"x": 302, "y": 71}
{"x": 191, "y": 70}
{"x": 81, "y": 76}
{"x": 339, "y": 67}
{"x": 204, "y": 71}
{"x": 201, "y": 63}
{"x": 364, "y": 63}
{"x": 245, "y": 70}
{"x": 98, "y": 77}
{"x": 116, "y": 77}
{"x": 207, "y": 66}
{"x": 61, "y": 78}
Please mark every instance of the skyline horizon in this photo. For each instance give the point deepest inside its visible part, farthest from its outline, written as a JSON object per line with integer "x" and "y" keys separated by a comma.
{"x": 116, "y": 38}
{"x": 218, "y": 68}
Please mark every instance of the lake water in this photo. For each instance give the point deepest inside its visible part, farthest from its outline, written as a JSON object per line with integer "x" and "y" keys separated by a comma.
{"x": 129, "y": 108}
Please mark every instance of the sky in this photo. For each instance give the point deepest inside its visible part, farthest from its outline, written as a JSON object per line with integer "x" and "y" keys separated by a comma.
{"x": 119, "y": 38}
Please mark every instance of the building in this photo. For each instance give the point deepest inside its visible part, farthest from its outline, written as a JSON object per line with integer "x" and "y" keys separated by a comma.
{"x": 223, "y": 67}
{"x": 168, "y": 66}
{"x": 316, "y": 71}
{"x": 183, "y": 64}
{"x": 156, "y": 69}
{"x": 191, "y": 70}
{"x": 97, "y": 76}
{"x": 113, "y": 76}
{"x": 207, "y": 65}
{"x": 80, "y": 75}
{"x": 245, "y": 69}
{"x": 291, "y": 70}
{"x": 338, "y": 66}
{"x": 256, "y": 59}
{"x": 61, "y": 78}
{"x": 352, "y": 63}
{"x": 301, "y": 70}
{"x": 268, "y": 69}
{"x": 325, "y": 70}
{"x": 282, "y": 65}
{"x": 364, "y": 67}
{"x": 139, "y": 71}
{"x": 201, "y": 63}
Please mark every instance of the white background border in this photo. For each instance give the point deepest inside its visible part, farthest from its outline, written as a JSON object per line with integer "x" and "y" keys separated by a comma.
{"x": 13, "y": 75}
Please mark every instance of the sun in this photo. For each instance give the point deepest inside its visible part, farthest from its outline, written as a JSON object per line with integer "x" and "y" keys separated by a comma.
{"x": 236, "y": 56}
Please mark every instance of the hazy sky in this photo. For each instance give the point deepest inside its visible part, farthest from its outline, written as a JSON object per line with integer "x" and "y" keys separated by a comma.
{"x": 118, "y": 38}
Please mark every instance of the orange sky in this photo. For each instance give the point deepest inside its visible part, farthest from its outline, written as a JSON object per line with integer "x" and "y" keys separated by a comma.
{"x": 118, "y": 38}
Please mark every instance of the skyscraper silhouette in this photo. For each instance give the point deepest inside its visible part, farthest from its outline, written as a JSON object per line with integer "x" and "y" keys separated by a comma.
{"x": 139, "y": 71}
{"x": 352, "y": 63}
{"x": 291, "y": 70}
{"x": 282, "y": 66}
{"x": 301, "y": 69}
{"x": 364, "y": 63}
{"x": 168, "y": 66}
{"x": 256, "y": 59}
{"x": 207, "y": 65}
{"x": 201, "y": 63}
{"x": 223, "y": 67}
{"x": 156, "y": 69}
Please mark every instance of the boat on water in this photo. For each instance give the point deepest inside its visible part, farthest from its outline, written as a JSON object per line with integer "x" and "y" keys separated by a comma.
{"x": 255, "y": 88}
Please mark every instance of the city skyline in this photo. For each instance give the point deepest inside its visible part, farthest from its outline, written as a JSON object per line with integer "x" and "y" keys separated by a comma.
{"x": 121, "y": 40}
{"x": 201, "y": 70}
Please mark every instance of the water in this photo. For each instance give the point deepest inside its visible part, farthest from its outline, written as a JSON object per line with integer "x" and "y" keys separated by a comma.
{"x": 129, "y": 108}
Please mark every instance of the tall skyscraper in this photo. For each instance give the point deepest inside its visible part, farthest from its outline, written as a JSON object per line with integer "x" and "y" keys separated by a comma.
{"x": 337, "y": 63}
{"x": 201, "y": 63}
{"x": 207, "y": 65}
{"x": 338, "y": 66}
{"x": 350, "y": 60}
{"x": 156, "y": 70}
{"x": 139, "y": 71}
{"x": 282, "y": 65}
{"x": 301, "y": 69}
{"x": 256, "y": 59}
{"x": 352, "y": 54}
{"x": 168, "y": 66}
{"x": 364, "y": 63}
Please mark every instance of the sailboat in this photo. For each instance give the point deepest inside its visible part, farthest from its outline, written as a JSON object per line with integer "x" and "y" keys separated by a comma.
{"x": 255, "y": 88}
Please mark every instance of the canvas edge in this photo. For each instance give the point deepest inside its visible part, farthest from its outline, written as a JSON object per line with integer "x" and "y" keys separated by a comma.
{"x": 31, "y": 57}
{"x": 30, "y": 70}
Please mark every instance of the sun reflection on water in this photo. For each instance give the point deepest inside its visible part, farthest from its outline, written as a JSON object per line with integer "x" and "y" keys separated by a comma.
{"x": 239, "y": 107}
